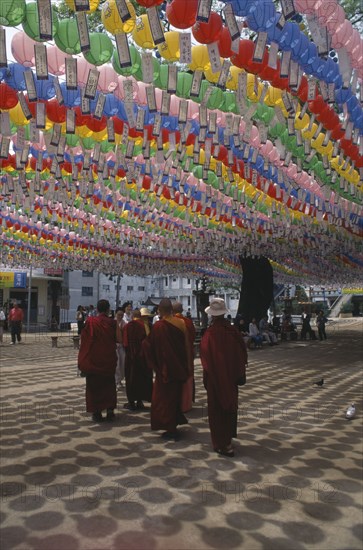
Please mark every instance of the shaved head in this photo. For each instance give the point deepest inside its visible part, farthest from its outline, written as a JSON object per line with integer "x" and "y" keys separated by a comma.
{"x": 177, "y": 307}
{"x": 165, "y": 307}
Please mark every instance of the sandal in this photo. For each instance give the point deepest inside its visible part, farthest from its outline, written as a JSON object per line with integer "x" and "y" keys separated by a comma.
{"x": 225, "y": 452}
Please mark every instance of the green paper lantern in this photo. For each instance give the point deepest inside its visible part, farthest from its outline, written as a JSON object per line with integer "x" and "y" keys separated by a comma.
{"x": 88, "y": 142}
{"x": 229, "y": 105}
{"x": 106, "y": 146}
{"x": 135, "y": 60}
{"x": 162, "y": 80}
{"x": 184, "y": 85}
{"x": 31, "y": 22}
{"x": 72, "y": 140}
{"x": 156, "y": 67}
{"x": 101, "y": 49}
{"x": 12, "y": 12}
{"x": 67, "y": 37}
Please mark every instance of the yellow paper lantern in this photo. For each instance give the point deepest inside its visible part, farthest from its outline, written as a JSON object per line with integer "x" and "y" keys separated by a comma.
{"x": 210, "y": 75}
{"x": 301, "y": 123}
{"x": 142, "y": 33}
{"x": 17, "y": 116}
{"x": 112, "y": 21}
{"x": 232, "y": 82}
{"x": 251, "y": 94}
{"x": 200, "y": 58}
{"x": 273, "y": 96}
{"x": 170, "y": 49}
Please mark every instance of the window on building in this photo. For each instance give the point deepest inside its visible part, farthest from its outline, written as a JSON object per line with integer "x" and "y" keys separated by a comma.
{"x": 174, "y": 279}
{"x": 87, "y": 273}
{"x": 106, "y": 287}
{"x": 188, "y": 281}
{"x": 166, "y": 281}
{"x": 188, "y": 300}
{"x": 87, "y": 291}
{"x": 141, "y": 288}
{"x": 130, "y": 288}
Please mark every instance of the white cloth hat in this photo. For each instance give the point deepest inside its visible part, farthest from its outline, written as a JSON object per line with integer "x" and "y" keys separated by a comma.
{"x": 216, "y": 307}
{"x": 144, "y": 312}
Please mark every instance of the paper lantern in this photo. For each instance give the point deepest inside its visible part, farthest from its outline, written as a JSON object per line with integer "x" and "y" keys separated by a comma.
{"x": 12, "y": 12}
{"x": 200, "y": 58}
{"x": 135, "y": 62}
{"x": 8, "y": 97}
{"x": 55, "y": 112}
{"x": 93, "y": 5}
{"x": 22, "y": 48}
{"x": 184, "y": 84}
{"x": 206, "y": 33}
{"x": 56, "y": 60}
{"x": 142, "y": 33}
{"x": 31, "y": 21}
{"x": 101, "y": 49}
{"x": 170, "y": 49}
{"x": 244, "y": 54}
{"x": 107, "y": 81}
{"x": 112, "y": 20}
{"x": 261, "y": 16}
{"x": 14, "y": 76}
{"x": 149, "y": 3}
{"x": 182, "y": 14}
{"x": 67, "y": 37}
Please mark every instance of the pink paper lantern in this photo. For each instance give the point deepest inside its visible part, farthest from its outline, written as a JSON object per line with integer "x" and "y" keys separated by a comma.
{"x": 324, "y": 10}
{"x": 22, "y": 48}
{"x": 342, "y": 34}
{"x": 107, "y": 82}
{"x": 119, "y": 92}
{"x": 56, "y": 60}
{"x": 83, "y": 69}
{"x": 305, "y": 6}
{"x": 335, "y": 19}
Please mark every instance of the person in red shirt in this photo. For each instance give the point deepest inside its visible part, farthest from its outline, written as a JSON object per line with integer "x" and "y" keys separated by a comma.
{"x": 16, "y": 317}
{"x": 224, "y": 359}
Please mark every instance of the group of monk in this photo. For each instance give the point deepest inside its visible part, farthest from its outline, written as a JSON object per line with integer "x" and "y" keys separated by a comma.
{"x": 159, "y": 368}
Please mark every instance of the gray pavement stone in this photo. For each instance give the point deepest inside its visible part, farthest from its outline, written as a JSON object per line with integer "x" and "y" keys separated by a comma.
{"x": 295, "y": 482}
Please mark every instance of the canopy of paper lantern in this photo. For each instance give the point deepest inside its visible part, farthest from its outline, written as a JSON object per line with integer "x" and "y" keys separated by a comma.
{"x": 182, "y": 14}
{"x": 112, "y": 21}
{"x": 142, "y": 33}
{"x": 206, "y": 33}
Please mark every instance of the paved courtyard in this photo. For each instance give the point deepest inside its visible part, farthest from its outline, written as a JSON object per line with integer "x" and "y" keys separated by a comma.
{"x": 295, "y": 482}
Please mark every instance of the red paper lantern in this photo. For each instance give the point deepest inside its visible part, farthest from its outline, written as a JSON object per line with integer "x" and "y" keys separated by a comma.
{"x": 96, "y": 125}
{"x": 81, "y": 119}
{"x": 242, "y": 58}
{"x": 55, "y": 112}
{"x": 225, "y": 43}
{"x": 206, "y": 33}
{"x": 182, "y": 14}
{"x": 149, "y": 3}
{"x": 8, "y": 97}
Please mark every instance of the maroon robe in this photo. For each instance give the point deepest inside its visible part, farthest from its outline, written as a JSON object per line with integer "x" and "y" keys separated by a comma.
{"x": 224, "y": 357}
{"x": 188, "y": 391}
{"x": 97, "y": 359}
{"x": 166, "y": 353}
{"x": 138, "y": 376}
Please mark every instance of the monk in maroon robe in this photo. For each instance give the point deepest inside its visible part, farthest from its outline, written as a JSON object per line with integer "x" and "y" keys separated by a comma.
{"x": 97, "y": 361}
{"x": 138, "y": 376}
{"x": 224, "y": 359}
{"x": 166, "y": 352}
{"x": 188, "y": 392}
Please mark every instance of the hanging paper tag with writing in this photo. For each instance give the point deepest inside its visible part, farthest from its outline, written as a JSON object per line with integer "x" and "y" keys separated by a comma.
{"x": 41, "y": 63}
{"x": 71, "y": 73}
{"x": 172, "y": 79}
{"x": 24, "y": 106}
{"x": 183, "y": 111}
{"x": 70, "y": 121}
{"x": 204, "y": 9}
{"x": 324, "y": 90}
{"x": 155, "y": 25}
{"x": 99, "y": 106}
{"x": 285, "y": 64}
{"x": 83, "y": 32}
{"x": 207, "y": 95}
{"x": 260, "y": 45}
{"x": 293, "y": 74}
{"x": 288, "y": 8}
{"x": 231, "y": 22}
{"x": 212, "y": 122}
{"x": 128, "y": 90}
{"x": 123, "y": 50}
{"x": 281, "y": 22}
{"x": 5, "y": 123}
{"x": 45, "y": 19}
{"x": 57, "y": 130}
{"x": 30, "y": 86}
{"x": 185, "y": 45}
{"x": 311, "y": 89}
{"x": 129, "y": 109}
{"x": 196, "y": 83}
{"x": 272, "y": 55}
{"x": 214, "y": 57}
{"x": 151, "y": 100}
{"x": 224, "y": 74}
{"x": 140, "y": 120}
{"x": 331, "y": 92}
{"x": 58, "y": 91}
{"x": 203, "y": 121}
{"x": 291, "y": 126}
{"x": 91, "y": 85}
{"x": 3, "y": 55}
{"x": 81, "y": 5}
{"x": 165, "y": 103}
{"x": 147, "y": 67}
{"x": 85, "y": 103}
{"x": 157, "y": 125}
{"x": 40, "y": 115}
{"x": 4, "y": 147}
{"x": 20, "y": 137}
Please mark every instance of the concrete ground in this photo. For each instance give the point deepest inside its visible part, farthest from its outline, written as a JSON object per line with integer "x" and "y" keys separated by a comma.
{"x": 295, "y": 482}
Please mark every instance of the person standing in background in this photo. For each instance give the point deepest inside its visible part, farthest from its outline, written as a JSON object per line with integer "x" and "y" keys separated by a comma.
{"x": 16, "y": 317}
{"x": 188, "y": 387}
{"x": 120, "y": 367}
{"x": 97, "y": 361}
{"x": 167, "y": 353}
{"x": 224, "y": 359}
{"x": 80, "y": 318}
{"x": 2, "y": 324}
